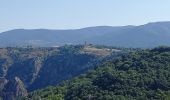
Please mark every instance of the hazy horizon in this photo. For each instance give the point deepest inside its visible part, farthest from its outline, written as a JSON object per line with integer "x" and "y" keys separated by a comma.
{"x": 76, "y": 14}
{"x": 79, "y": 27}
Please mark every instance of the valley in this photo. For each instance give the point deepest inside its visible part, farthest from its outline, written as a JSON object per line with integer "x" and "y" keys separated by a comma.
{"x": 37, "y": 68}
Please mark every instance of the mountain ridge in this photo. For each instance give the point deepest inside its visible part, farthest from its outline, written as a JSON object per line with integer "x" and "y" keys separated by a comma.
{"x": 146, "y": 36}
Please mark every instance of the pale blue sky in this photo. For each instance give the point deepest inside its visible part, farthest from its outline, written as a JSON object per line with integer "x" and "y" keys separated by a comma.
{"x": 68, "y": 14}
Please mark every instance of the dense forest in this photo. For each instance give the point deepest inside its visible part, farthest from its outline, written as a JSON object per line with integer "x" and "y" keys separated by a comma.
{"x": 138, "y": 75}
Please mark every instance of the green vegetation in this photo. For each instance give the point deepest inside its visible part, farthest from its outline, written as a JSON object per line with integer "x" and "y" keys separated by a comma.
{"x": 139, "y": 75}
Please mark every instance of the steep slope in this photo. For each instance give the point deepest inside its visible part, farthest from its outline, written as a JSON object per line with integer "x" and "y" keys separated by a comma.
{"x": 41, "y": 67}
{"x": 139, "y": 75}
{"x": 14, "y": 89}
{"x": 148, "y": 35}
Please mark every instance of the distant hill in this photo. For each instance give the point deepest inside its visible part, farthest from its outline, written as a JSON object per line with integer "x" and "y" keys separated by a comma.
{"x": 148, "y": 35}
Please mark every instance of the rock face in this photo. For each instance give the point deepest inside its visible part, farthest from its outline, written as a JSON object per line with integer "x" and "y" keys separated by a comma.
{"x": 41, "y": 67}
{"x": 13, "y": 89}
{"x": 29, "y": 69}
{"x": 3, "y": 81}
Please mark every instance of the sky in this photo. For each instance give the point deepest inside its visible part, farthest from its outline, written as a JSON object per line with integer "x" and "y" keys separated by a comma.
{"x": 73, "y": 14}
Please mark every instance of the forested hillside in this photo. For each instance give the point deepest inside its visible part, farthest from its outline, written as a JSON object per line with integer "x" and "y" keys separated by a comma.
{"x": 139, "y": 75}
{"x": 27, "y": 69}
